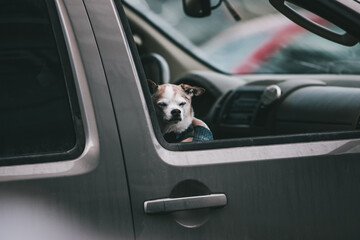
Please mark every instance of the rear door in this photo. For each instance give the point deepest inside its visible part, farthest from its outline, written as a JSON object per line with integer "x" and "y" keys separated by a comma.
{"x": 297, "y": 190}
{"x": 61, "y": 165}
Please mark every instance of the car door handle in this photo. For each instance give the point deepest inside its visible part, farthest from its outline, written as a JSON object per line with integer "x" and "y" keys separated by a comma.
{"x": 167, "y": 205}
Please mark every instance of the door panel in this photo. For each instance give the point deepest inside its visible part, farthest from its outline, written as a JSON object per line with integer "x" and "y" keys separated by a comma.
{"x": 94, "y": 205}
{"x": 307, "y": 198}
{"x": 300, "y": 191}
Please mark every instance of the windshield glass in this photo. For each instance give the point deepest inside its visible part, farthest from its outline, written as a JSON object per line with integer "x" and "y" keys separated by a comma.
{"x": 263, "y": 42}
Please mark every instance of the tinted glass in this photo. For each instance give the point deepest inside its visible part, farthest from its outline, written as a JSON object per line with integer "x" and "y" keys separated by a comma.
{"x": 35, "y": 111}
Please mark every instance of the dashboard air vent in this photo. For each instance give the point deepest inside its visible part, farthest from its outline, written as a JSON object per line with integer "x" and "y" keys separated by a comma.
{"x": 242, "y": 106}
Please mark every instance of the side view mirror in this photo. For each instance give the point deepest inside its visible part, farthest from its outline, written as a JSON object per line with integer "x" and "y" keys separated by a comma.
{"x": 203, "y": 8}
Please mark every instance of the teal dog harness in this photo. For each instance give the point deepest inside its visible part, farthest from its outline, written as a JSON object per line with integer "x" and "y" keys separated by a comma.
{"x": 199, "y": 133}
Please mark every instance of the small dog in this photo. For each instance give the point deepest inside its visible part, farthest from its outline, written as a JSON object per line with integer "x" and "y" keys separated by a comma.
{"x": 174, "y": 111}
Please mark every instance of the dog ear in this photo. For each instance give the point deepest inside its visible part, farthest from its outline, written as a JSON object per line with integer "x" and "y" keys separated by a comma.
{"x": 192, "y": 91}
{"x": 153, "y": 86}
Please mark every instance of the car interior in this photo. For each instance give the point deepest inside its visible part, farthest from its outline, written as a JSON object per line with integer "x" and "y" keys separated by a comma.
{"x": 248, "y": 109}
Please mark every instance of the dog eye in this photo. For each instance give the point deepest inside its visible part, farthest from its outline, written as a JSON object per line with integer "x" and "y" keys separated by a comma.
{"x": 162, "y": 104}
{"x": 182, "y": 104}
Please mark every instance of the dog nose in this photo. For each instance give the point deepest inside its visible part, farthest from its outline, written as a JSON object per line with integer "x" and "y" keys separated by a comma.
{"x": 175, "y": 112}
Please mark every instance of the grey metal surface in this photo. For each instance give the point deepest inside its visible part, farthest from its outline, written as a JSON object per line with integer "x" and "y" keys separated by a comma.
{"x": 94, "y": 205}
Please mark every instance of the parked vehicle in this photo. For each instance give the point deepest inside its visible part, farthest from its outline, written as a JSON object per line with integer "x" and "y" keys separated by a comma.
{"x": 82, "y": 155}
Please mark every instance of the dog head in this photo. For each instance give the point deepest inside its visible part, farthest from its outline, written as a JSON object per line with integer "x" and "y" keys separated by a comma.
{"x": 173, "y": 105}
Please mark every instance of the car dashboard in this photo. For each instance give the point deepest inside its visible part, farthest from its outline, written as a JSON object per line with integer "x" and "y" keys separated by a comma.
{"x": 267, "y": 107}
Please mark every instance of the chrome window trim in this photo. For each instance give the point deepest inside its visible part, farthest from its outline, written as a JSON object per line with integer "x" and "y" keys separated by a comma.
{"x": 89, "y": 158}
{"x": 256, "y": 153}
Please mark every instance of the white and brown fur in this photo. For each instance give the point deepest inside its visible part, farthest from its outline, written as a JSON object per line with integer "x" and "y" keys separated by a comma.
{"x": 173, "y": 105}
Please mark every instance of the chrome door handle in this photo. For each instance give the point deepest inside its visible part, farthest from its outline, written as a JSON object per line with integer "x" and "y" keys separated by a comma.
{"x": 167, "y": 205}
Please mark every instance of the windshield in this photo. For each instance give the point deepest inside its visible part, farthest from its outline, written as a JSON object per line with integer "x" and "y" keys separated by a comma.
{"x": 263, "y": 42}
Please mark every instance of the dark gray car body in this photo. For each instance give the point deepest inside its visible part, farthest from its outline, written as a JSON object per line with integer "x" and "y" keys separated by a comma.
{"x": 302, "y": 190}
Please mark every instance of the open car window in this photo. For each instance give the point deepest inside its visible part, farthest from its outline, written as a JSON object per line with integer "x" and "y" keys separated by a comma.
{"x": 263, "y": 42}
{"x": 312, "y": 83}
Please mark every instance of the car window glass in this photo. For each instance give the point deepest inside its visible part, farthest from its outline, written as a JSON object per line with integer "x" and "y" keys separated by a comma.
{"x": 36, "y": 113}
{"x": 263, "y": 42}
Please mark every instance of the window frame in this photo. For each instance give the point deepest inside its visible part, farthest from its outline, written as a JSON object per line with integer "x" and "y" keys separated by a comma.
{"x": 63, "y": 55}
{"x": 86, "y": 157}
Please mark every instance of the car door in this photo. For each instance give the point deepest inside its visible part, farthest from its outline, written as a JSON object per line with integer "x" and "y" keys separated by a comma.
{"x": 283, "y": 188}
{"x": 58, "y": 180}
